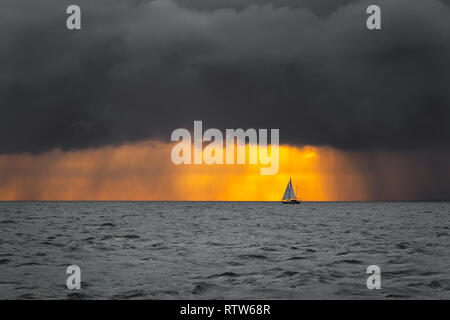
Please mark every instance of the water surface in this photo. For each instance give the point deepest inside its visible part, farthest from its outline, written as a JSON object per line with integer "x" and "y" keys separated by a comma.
{"x": 224, "y": 250}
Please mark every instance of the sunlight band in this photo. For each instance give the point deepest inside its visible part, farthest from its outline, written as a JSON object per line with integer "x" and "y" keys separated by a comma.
{"x": 213, "y": 152}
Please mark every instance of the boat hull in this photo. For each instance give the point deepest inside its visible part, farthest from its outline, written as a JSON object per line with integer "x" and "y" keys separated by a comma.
{"x": 293, "y": 201}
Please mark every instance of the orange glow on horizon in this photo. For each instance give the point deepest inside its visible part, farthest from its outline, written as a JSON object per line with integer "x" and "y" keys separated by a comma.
{"x": 144, "y": 171}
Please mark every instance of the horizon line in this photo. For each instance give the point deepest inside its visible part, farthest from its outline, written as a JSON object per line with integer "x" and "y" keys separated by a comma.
{"x": 418, "y": 200}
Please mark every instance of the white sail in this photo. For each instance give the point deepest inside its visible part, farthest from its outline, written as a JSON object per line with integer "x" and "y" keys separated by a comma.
{"x": 287, "y": 195}
{"x": 289, "y": 192}
{"x": 292, "y": 193}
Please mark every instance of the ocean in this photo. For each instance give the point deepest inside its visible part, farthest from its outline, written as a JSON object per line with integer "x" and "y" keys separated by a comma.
{"x": 224, "y": 250}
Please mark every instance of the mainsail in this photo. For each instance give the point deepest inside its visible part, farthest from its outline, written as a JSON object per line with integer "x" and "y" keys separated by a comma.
{"x": 289, "y": 193}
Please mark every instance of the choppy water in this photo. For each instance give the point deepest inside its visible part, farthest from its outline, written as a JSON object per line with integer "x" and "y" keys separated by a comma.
{"x": 215, "y": 250}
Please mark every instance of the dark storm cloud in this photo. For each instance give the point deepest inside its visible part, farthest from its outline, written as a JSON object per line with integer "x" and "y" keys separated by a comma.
{"x": 140, "y": 69}
{"x": 319, "y": 7}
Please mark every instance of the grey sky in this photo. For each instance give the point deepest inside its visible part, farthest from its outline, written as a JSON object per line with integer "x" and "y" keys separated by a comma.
{"x": 140, "y": 69}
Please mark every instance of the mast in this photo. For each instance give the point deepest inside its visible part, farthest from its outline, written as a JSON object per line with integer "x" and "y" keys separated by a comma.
{"x": 290, "y": 186}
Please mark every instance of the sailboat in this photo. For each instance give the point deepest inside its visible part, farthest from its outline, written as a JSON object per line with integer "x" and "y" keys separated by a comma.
{"x": 289, "y": 195}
